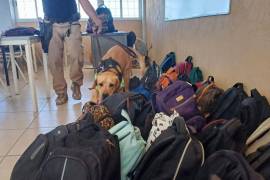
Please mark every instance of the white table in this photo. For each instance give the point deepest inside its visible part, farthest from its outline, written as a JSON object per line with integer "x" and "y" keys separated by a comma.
{"x": 28, "y": 42}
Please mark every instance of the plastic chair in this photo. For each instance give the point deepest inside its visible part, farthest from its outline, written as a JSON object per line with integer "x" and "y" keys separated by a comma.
{"x": 18, "y": 55}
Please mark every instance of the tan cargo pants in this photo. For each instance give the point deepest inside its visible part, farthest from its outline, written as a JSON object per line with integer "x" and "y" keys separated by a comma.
{"x": 70, "y": 35}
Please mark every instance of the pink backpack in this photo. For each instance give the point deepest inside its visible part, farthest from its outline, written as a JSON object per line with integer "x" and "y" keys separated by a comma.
{"x": 185, "y": 68}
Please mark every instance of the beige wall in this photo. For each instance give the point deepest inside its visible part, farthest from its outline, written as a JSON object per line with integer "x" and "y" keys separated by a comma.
{"x": 232, "y": 48}
{"x": 121, "y": 25}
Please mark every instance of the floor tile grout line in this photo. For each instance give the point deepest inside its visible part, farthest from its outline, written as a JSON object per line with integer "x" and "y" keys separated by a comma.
{"x": 24, "y": 131}
{"x": 17, "y": 140}
{"x": 35, "y": 115}
{"x": 43, "y": 104}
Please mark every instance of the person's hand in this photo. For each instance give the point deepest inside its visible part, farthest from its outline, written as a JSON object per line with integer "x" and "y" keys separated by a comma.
{"x": 98, "y": 23}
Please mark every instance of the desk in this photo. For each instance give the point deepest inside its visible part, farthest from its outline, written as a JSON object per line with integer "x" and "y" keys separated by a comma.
{"x": 28, "y": 42}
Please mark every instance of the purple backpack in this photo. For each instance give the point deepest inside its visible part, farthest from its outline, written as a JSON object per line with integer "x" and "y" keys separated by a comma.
{"x": 196, "y": 123}
{"x": 179, "y": 96}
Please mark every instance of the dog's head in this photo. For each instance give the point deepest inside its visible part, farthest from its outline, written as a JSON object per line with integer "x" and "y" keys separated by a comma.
{"x": 107, "y": 83}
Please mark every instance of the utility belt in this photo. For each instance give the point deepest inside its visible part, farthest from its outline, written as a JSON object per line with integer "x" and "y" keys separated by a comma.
{"x": 75, "y": 17}
{"x": 46, "y": 29}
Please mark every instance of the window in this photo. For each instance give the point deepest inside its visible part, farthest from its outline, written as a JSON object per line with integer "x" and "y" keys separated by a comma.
{"x": 124, "y": 8}
{"x": 31, "y": 9}
{"x": 40, "y": 8}
{"x": 115, "y": 7}
{"x": 130, "y": 8}
{"x": 26, "y": 9}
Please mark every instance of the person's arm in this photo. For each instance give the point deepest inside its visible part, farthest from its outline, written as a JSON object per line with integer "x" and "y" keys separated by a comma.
{"x": 90, "y": 11}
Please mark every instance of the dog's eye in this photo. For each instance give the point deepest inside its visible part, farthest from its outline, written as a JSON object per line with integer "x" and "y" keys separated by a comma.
{"x": 111, "y": 85}
{"x": 100, "y": 84}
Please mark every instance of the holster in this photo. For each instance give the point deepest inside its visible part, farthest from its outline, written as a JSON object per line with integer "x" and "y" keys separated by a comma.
{"x": 46, "y": 28}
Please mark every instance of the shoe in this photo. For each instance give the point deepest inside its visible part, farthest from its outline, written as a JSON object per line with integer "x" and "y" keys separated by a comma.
{"x": 61, "y": 99}
{"x": 76, "y": 91}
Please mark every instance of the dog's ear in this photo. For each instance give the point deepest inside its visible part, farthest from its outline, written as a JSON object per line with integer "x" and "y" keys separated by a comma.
{"x": 94, "y": 85}
{"x": 117, "y": 85}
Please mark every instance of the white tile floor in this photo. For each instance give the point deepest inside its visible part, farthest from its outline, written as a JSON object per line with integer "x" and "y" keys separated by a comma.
{"x": 19, "y": 125}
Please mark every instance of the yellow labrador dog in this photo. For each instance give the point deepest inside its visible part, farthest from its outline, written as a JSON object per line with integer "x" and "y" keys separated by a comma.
{"x": 115, "y": 67}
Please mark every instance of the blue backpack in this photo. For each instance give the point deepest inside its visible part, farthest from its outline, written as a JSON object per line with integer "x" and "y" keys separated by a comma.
{"x": 168, "y": 62}
{"x": 143, "y": 91}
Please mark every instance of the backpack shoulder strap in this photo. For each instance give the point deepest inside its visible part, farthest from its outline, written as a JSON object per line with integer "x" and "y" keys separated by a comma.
{"x": 239, "y": 85}
{"x": 233, "y": 126}
{"x": 265, "y": 156}
{"x": 259, "y": 132}
{"x": 181, "y": 126}
{"x": 205, "y": 90}
{"x": 125, "y": 115}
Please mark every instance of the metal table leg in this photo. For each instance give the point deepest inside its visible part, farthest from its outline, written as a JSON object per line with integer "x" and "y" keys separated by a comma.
{"x": 5, "y": 65}
{"x": 31, "y": 76}
{"x": 46, "y": 73}
{"x": 13, "y": 66}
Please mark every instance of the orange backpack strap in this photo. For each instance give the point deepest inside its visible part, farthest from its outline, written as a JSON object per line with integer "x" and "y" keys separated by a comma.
{"x": 205, "y": 90}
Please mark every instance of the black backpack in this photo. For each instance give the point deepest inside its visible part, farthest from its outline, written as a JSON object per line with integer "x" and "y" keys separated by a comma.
{"x": 263, "y": 103}
{"x": 227, "y": 165}
{"x": 106, "y": 17}
{"x": 140, "y": 110}
{"x": 253, "y": 111}
{"x": 174, "y": 155}
{"x": 260, "y": 161}
{"x": 223, "y": 134}
{"x": 151, "y": 76}
{"x": 134, "y": 82}
{"x": 80, "y": 150}
{"x": 228, "y": 105}
{"x": 168, "y": 62}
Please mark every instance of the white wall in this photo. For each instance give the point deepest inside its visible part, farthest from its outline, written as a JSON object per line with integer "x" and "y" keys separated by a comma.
{"x": 6, "y": 15}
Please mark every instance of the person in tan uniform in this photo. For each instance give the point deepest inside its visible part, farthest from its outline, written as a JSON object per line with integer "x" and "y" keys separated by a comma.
{"x": 64, "y": 16}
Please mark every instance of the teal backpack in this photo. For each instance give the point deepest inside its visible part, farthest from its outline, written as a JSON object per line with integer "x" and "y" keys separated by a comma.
{"x": 195, "y": 75}
{"x": 132, "y": 145}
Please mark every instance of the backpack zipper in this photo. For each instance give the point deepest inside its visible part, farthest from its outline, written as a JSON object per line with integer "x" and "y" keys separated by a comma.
{"x": 74, "y": 158}
{"x": 64, "y": 169}
{"x": 169, "y": 94}
{"x": 182, "y": 158}
{"x": 203, "y": 153}
{"x": 182, "y": 104}
{"x": 184, "y": 153}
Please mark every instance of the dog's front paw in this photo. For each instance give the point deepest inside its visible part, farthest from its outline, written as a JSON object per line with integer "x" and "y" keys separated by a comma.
{"x": 95, "y": 96}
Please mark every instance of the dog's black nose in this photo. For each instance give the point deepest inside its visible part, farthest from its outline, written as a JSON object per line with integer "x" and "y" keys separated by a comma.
{"x": 104, "y": 96}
